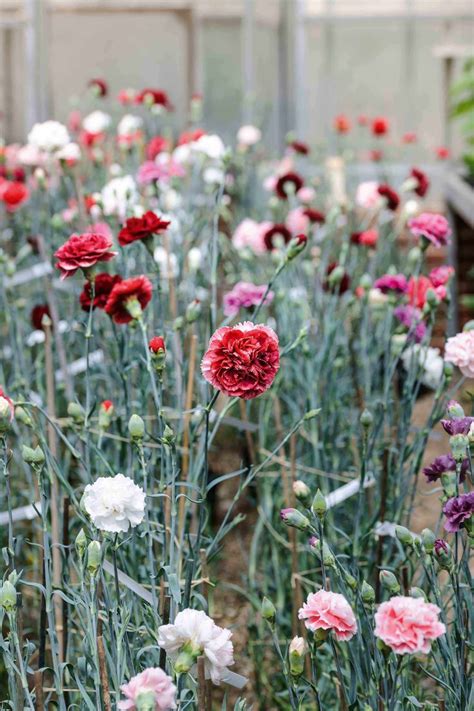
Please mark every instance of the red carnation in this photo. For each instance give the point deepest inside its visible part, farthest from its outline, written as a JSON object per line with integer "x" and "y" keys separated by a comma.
{"x": 156, "y": 145}
{"x": 443, "y": 153}
{"x": 422, "y": 181}
{"x": 314, "y": 215}
{"x": 140, "y": 228}
{"x": 380, "y": 126}
{"x": 154, "y": 97}
{"x": 242, "y": 361}
{"x": 14, "y": 194}
{"x": 339, "y": 286}
{"x": 128, "y": 298}
{"x": 390, "y": 196}
{"x": 37, "y": 313}
{"x": 103, "y": 285}
{"x": 190, "y": 136}
{"x": 342, "y": 124}
{"x": 83, "y": 252}
{"x": 284, "y": 181}
{"x": 300, "y": 147}
{"x": 157, "y": 345}
{"x": 107, "y": 405}
{"x": 278, "y": 230}
{"x": 100, "y": 86}
{"x": 409, "y": 137}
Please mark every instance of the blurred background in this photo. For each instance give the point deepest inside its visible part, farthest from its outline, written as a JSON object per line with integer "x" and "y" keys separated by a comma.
{"x": 281, "y": 64}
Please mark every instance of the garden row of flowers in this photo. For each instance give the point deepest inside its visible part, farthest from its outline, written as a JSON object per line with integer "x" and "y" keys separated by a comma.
{"x": 165, "y": 297}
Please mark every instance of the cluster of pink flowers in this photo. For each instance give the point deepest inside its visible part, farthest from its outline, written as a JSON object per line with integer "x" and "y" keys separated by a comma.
{"x": 245, "y": 295}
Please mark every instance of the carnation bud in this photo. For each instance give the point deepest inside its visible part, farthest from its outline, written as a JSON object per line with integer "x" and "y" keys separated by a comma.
{"x": 428, "y": 538}
{"x": 106, "y": 412}
{"x": 367, "y": 593}
{"x": 454, "y": 409}
{"x": 158, "y": 353}
{"x": 431, "y": 298}
{"x": 336, "y": 276}
{"x": 22, "y": 416}
{"x": 389, "y": 581}
{"x": 168, "y": 438}
{"x": 448, "y": 370}
{"x": 417, "y": 592}
{"x": 327, "y": 557}
{"x": 94, "y": 555}
{"x": 296, "y": 246}
{"x": 443, "y": 555}
{"x": 302, "y": 492}
{"x": 459, "y": 444}
{"x": 268, "y": 610}
{"x": 365, "y": 282}
{"x": 311, "y": 414}
{"x": 404, "y": 535}
{"x": 296, "y": 653}
{"x": 319, "y": 505}
{"x": 295, "y": 519}
{"x": 193, "y": 310}
{"x": 136, "y": 427}
{"x": 76, "y": 411}
{"x": 366, "y": 419}
{"x": 8, "y": 596}
{"x": 80, "y": 543}
{"x": 5, "y": 413}
{"x": 350, "y": 580}
{"x": 414, "y": 256}
{"x": 32, "y": 456}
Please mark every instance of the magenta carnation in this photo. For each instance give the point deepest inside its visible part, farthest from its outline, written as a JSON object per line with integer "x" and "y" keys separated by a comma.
{"x": 245, "y": 295}
{"x": 433, "y": 227}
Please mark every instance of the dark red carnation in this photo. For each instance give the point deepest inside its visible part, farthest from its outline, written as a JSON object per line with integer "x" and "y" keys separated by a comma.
{"x": 380, "y": 126}
{"x": 300, "y": 147}
{"x": 278, "y": 230}
{"x": 100, "y": 86}
{"x": 393, "y": 201}
{"x": 156, "y": 145}
{"x": 284, "y": 181}
{"x": 83, "y": 252}
{"x": 103, "y": 285}
{"x": 157, "y": 344}
{"x": 37, "y": 313}
{"x": 140, "y": 228}
{"x": 314, "y": 215}
{"x": 422, "y": 181}
{"x": 19, "y": 174}
{"x": 242, "y": 361}
{"x": 126, "y": 296}
{"x": 154, "y": 97}
{"x": 342, "y": 285}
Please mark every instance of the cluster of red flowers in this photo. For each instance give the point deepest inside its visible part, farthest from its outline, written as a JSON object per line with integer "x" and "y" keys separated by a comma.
{"x": 141, "y": 228}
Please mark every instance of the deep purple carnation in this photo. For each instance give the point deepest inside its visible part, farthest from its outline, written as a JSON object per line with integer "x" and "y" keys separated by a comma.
{"x": 458, "y": 510}
{"x": 458, "y": 425}
{"x": 444, "y": 463}
{"x": 441, "y": 546}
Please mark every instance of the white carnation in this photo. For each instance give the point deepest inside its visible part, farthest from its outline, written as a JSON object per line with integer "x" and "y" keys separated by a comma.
{"x": 168, "y": 263}
{"x": 114, "y": 503}
{"x": 209, "y": 145}
{"x": 129, "y": 125}
{"x": 48, "y": 136}
{"x": 248, "y": 135}
{"x": 118, "y": 194}
{"x": 213, "y": 642}
{"x": 96, "y": 122}
{"x": 427, "y": 358}
{"x": 70, "y": 151}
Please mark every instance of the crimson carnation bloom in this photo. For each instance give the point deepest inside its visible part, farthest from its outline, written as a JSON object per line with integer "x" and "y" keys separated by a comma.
{"x": 37, "y": 313}
{"x": 157, "y": 345}
{"x": 367, "y": 238}
{"x": 83, "y": 252}
{"x": 14, "y": 195}
{"x": 314, "y": 215}
{"x": 127, "y": 299}
{"x": 154, "y": 97}
{"x": 141, "y": 228}
{"x": 156, "y": 145}
{"x": 458, "y": 510}
{"x": 103, "y": 285}
{"x": 422, "y": 181}
{"x": 278, "y": 230}
{"x": 285, "y": 180}
{"x": 300, "y": 147}
{"x": 100, "y": 86}
{"x": 390, "y": 196}
{"x": 380, "y": 126}
{"x": 243, "y": 360}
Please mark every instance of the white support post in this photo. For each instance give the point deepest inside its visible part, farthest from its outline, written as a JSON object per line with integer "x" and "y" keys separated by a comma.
{"x": 248, "y": 61}
{"x": 36, "y": 67}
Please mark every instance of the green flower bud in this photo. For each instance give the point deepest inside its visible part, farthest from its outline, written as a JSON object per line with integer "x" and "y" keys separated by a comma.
{"x": 268, "y": 610}
{"x": 350, "y": 581}
{"x": 32, "y": 456}
{"x": 168, "y": 438}
{"x": 365, "y": 282}
{"x": 389, "y": 581}
{"x": 428, "y": 538}
{"x": 295, "y": 519}
{"x": 312, "y": 414}
{"x": 94, "y": 555}
{"x": 367, "y": 593}
{"x": 22, "y": 416}
{"x": 366, "y": 419}
{"x": 302, "y": 492}
{"x": 76, "y": 411}
{"x": 80, "y": 543}
{"x": 193, "y": 311}
{"x": 404, "y": 535}
{"x": 296, "y": 653}
{"x": 296, "y": 246}
{"x": 459, "y": 444}
{"x": 469, "y": 326}
{"x": 417, "y": 592}
{"x": 136, "y": 427}
{"x": 8, "y": 596}
{"x": 319, "y": 504}
{"x": 448, "y": 370}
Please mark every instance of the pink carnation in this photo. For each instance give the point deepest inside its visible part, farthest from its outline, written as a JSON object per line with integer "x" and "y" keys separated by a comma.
{"x": 408, "y": 624}
{"x": 297, "y": 221}
{"x": 327, "y": 610}
{"x": 245, "y": 295}
{"x": 460, "y": 351}
{"x": 153, "y": 682}
{"x": 439, "y": 276}
{"x": 242, "y": 361}
{"x": 433, "y": 227}
{"x": 250, "y": 233}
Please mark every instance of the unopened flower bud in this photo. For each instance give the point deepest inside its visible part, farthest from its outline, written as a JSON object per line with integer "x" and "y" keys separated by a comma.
{"x": 311, "y": 414}
{"x": 367, "y": 593}
{"x": 319, "y": 505}
{"x": 455, "y": 409}
{"x": 168, "y": 438}
{"x": 431, "y": 298}
{"x": 76, "y": 411}
{"x": 448, "y": 370}
{"x": 6, "y": 412}
{"x": 404, "y": 535}
{"x": 459, "y": 444}
{"x": 336, "y": 276}
{"x": 106, "y": 411}
{"x": 414, "y": 256}
{"x": 94, "y": 555}
{"x": 443, "y": 554}
{"x": 350, "y": 580}
{"x": 296, "y": 653}
{"x": 22, "y": 416}
{"x": 80, "y": 543}
{"x": 295, "y": 519}
{"x": 193, "y": 310}
{"x": 158, "y": 352}
{"x": 32, "y": 456}
{"x": 8, "y": 596}
{"x": 417, "y": 592}
{"x": 365, "y": 282}
{"x": 296, "y": 246}
{"x": 428, "y": 538}
{"x": 302, "y": 492}
{"x": 268, "y": 610}
{"x": 366, "y": 419}
{"x": 389, "y": 581}
{"x": 136, "y": 428}
{"x": 327, "y": 557}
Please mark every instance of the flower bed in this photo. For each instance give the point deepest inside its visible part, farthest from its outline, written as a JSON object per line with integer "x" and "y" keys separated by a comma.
{"x": 158, "y": 292}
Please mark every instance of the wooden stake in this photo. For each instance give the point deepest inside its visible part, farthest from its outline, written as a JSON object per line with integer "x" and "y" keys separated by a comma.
{"x": 104, "y": 679}
{"x": 39, "y": 694}
{"x": 202, "y": 689}
{"x": 186, "y": 419}
{"x": 54, "y": 501}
